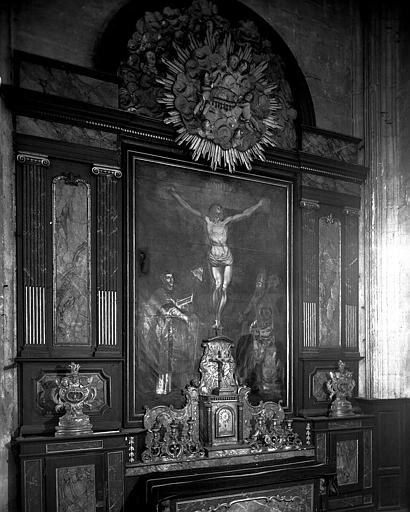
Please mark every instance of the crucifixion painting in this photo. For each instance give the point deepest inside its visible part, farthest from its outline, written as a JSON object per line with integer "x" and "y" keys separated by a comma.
{"x": 206, "y": 239}
{"x": 220, "y": 256}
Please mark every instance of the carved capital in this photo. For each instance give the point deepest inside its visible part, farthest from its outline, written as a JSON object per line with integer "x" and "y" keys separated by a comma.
{"x": 349, "y": 210}
{"x": 106, "y": 170}
{"x": 309, "y": 204}
{"x": 26, "y": 157}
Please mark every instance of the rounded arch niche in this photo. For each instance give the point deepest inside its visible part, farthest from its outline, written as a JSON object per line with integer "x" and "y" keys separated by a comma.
{"x": 216, "y": 72}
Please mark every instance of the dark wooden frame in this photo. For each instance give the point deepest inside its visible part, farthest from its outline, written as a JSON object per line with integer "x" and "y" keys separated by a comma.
{"x": 264, "y": 173}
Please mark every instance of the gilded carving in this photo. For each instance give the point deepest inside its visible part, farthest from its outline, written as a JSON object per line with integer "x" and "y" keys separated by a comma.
{"x": 223, "y": 86}
{"x": 218, "y": 420}
{"x": 217, "y": 368}
{"x": 236, "y": 114}
{"x": 73, "y": 393}
{"x": 46, "y": 386}
{"x": 340, "y": 386}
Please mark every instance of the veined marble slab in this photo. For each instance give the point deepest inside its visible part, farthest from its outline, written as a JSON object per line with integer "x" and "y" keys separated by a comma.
{"x": 60, "y": 82}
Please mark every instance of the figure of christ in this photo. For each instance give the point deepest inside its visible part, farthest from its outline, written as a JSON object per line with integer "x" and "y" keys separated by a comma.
{"x": 220, "y": 256}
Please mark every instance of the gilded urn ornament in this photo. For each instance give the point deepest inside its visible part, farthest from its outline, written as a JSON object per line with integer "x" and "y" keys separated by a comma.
{"x": 72, "y": 394}
{"x": 339, "y": 386}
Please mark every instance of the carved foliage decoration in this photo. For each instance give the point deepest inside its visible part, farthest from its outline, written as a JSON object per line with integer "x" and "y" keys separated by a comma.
{"x": 217, "y": 367}
{"x": 223, "y": 86}
{"x": 46, "y": 386}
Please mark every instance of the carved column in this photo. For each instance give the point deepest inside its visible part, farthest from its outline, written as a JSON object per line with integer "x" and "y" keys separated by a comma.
{"x": 386, "y": 257}
{"x": 108, "y": 253}
{"x": 34, "y": 246}
{"x": 310, "y": 272}
{"x": 351, "y": 277}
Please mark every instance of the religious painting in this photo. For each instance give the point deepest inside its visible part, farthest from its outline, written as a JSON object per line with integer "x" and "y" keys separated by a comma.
{"x": 210, "y": 255}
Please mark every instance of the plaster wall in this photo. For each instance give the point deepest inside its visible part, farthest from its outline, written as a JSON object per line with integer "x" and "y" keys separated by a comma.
{"x": 322, "y": 35}
{"x": 386, "y": 204}
{"x": 8, "y": 374}
{"x": 404, "y": 184}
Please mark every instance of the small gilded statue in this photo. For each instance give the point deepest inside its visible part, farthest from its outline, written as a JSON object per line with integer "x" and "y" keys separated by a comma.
{"x": 339, "y": 386}
{"x": 73, "y": 393}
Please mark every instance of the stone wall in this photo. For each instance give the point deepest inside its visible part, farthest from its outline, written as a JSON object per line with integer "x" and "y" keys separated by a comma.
{"x": 321, "y": 34}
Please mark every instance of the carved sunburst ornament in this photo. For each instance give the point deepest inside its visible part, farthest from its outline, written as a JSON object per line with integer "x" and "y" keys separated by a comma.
{"x": 220, "y": 102}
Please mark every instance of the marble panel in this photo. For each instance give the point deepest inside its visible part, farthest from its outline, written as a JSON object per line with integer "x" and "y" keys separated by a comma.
{"x": 225, "y": 458}
{"x": 284, "y": 499}
{"x": 73, "y": 446}
{"x": 347, "y": 462}
{"x": 329, "y": 281}
{"x": 367, "y": 459}
{"x": 32, "y": 476}
{"x": 318, "y": 380}
{"x": 60, "y": 82}
{"x": 321, "y": 441}
{"x": 345, "y": 424}
{"x": 75, "y": 487}
{"x": 72, "y": 259}
{"x": 330, "y": 146}
{"x": 66, "y": 133}
{"x": 330, "y": 184}
{"x": 347, "y": 502}
{"x": 115, "y": 464}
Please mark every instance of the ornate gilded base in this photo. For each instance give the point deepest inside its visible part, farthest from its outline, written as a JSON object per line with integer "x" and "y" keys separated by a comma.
{"x": 73, "y": 426}
{"x": 340, "y": 408}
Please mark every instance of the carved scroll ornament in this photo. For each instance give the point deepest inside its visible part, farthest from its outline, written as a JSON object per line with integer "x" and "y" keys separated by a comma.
{"x": 73, "y": 393}
{"x": 340, "y": 386}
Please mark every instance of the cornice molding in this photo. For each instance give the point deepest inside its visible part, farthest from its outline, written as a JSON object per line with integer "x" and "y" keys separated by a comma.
{"x": 38, "y": 105}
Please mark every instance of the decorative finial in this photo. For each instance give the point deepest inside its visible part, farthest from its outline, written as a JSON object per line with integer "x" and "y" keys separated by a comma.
{"x": 339, "y": 386}
{"x": 72, "y": 394}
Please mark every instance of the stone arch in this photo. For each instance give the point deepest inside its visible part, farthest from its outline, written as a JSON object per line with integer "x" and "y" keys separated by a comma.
{"x": 111, "y": 48}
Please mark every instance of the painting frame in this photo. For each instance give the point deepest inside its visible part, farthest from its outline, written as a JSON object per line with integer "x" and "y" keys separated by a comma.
{"x": 142, "y": 261}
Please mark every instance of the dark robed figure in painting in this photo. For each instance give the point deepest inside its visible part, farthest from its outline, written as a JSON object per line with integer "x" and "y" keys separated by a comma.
{"x": 169, "y": 335}
{"x": 220, "y": 257}
{"x": 259, "y": 353}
